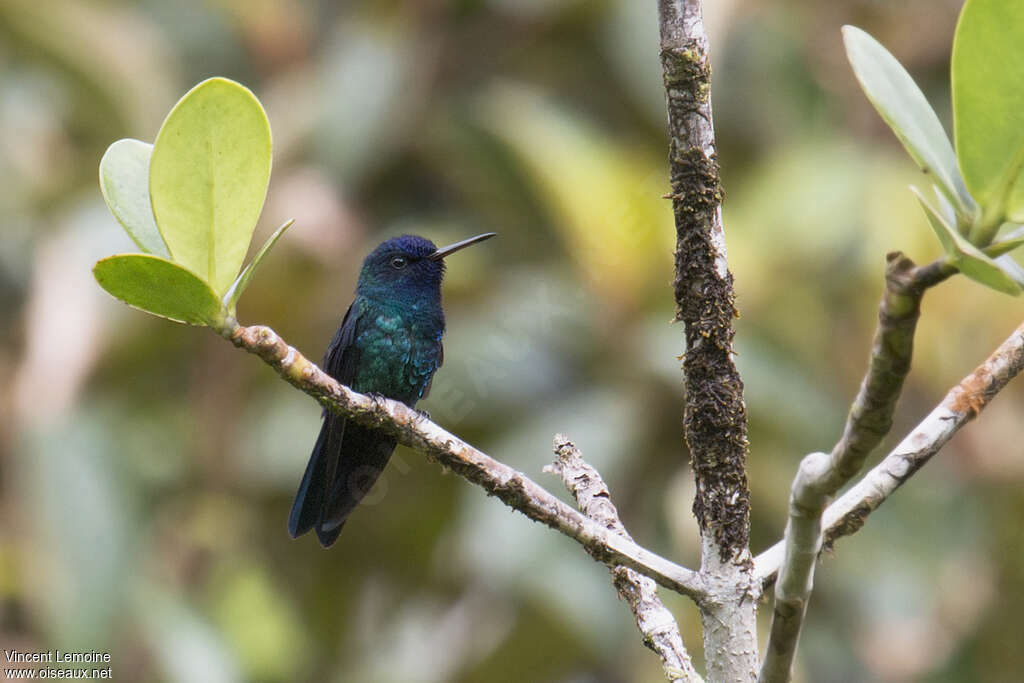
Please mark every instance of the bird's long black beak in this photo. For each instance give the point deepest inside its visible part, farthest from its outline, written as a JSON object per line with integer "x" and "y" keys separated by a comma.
{"x": 452, "y": 248}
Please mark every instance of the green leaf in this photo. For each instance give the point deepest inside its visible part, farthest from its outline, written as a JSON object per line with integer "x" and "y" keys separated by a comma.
{"x": 124, "y": 181}
{"x": 967, "y": 258}
{"x": 946, "y": 234}
{"x": 903, "y": 106}
{"x": 208, "y": 178}
{"x": 239, "y": 285}
{"x": 1006, "y": 244}
{"x": 948, "y": 212}
{"x": 160, "y": 287}
{"x": 988, "y": 104}
{"x": 1011, "y": 268}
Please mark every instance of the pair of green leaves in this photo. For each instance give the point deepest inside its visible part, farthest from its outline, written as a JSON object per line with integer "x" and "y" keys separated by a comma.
{"x": 190, "y": 201}
{"x": 979, "y": 188}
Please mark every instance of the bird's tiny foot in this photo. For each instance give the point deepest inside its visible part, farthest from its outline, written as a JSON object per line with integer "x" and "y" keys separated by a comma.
{"x": 378, "y": 399}
{"x": 424, "y": 415}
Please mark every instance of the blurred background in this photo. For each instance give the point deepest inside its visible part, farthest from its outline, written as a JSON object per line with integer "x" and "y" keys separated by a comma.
{"x": 147, "y": 468}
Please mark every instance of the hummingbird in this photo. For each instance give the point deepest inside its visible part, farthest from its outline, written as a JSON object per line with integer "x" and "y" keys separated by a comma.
{"x": 389, "y": 343}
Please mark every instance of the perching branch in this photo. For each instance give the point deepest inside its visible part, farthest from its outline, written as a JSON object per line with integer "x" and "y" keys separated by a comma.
{"x": 821, "y": 475}
{"x": 656, "y": 623}
{"x": 416, "y": 431}
{"x": 715, "y": 422}
{"x": 961, "y": 405}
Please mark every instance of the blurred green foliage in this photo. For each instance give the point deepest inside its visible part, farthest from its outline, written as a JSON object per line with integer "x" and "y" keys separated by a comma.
{"x": 147, "y": 468}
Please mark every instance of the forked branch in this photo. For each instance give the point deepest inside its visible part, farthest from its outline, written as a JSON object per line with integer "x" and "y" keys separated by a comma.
{"x": 821, "y": 475}
{"x": 961, "y": 405}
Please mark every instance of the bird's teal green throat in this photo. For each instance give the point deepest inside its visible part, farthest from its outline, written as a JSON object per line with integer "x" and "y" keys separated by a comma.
{"x": 389, "y": 343}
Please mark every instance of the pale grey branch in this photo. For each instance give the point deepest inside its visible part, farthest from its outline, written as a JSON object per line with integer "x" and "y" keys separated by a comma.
{"x": 657, "y": 625}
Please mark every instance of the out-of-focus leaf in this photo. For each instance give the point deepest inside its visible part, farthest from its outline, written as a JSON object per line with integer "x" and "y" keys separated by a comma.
{"x": 367, "y": 95}
{"x": 534, "y": 10}
{"x": 243, "y": 279}
{"x": 124, "y": 180}
{"x": 160, "y": 287}
{"x": 903, "y": 106}
{"x": 604, "y": 196}
{"x": 431, "y": 640}
{"x": 254, "y": 617}
{"x": 859, "y": 195}
{"x": 187, "y": 648}
{"x": 629, "y": 31}
{"x": 968, "y": 259}
{"x": 79, "y": 512}
{"x": 776, "y": 382}
{"x": 59, "y": 283}
{"x": 988, "y": 104}
{"x": 1011, "y": 268}
{"x": 265, "y": 455}
{"x": 516, "y": 346}
{"x": 117, "y": 58}
{"x": 208, "y": 178}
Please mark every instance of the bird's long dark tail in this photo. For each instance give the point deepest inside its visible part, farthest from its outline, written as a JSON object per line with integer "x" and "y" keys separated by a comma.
{"x": 346, "y": 461}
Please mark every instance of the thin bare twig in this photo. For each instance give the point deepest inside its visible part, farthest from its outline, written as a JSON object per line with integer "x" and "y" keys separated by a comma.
{"x": 821, "y": 475}
{"x": 656, "y": 623}
{"x": 413, "y": 429}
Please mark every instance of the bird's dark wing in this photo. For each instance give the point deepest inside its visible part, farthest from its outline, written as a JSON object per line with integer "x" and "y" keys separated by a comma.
{"x": 340, "y": 362}
{"x": 440, "y": 362}
{"x": 341, "y": 356}
{"x": 362, "y": 456}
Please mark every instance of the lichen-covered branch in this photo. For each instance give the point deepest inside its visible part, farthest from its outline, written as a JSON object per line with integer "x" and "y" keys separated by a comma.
{"x": 961, "y": 405}
{"x": 821, "y": 475}
{"x": 657, "y": 625}
{"x": 715, "y": 421}
{"x": 413, "y": 429}
{"x": 715, "y": 415}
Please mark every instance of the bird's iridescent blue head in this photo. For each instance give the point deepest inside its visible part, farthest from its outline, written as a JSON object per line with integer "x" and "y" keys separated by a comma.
{"x": 408, "y": 263}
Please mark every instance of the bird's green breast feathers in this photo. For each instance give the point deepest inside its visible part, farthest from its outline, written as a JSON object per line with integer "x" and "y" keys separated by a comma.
{"x": 399, "y": 351}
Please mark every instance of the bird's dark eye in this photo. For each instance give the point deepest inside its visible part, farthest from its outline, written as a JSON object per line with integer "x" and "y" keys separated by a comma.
{"x": 399, "y": 262}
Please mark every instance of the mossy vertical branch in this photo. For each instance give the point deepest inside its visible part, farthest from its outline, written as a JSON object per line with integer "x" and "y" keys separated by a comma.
{"x": 716, "y": 420}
